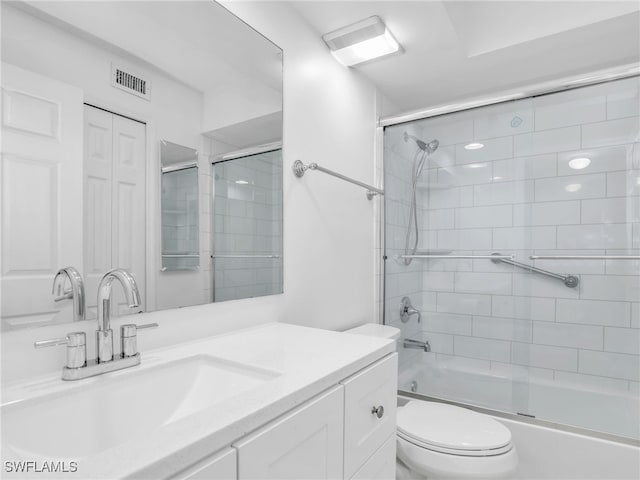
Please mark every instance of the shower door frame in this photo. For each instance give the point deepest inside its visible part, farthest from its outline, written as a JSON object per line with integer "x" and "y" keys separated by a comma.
{"x": 559, "y": 85}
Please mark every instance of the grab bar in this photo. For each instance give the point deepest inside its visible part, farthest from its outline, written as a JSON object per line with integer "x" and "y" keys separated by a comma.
{"x": 584, "y": 257}
{"x": 570, "y": 281}
{"x": 458, "y": 257}
{"x": 299, "y": 168}
{"x": 246, "y": 256}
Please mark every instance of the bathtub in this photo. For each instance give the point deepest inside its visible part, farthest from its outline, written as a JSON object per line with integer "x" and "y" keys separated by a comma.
{"x": 550, "y": 447}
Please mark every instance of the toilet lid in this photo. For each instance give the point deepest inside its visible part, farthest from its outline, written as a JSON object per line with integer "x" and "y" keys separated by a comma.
{"x": 450, "y": 427}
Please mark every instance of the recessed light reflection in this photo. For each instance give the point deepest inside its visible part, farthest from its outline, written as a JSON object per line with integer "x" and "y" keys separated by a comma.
{"x": 475, "y": 165}
{"x": 497, "y": 178}
{"x": 473, "y": 146}
{"x": 579, "y": 163}
{"x": 573, "y": 187}
{"x": 242, "y": 182}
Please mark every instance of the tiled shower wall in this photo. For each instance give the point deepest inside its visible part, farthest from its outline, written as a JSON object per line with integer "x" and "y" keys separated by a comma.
{"x": 248, "y": 221}
{"x": 518, "y": 195}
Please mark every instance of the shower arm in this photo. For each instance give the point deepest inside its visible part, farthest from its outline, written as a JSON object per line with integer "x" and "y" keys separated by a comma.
{"x": 299, "y": 168}
{"x": 570, "y": 281}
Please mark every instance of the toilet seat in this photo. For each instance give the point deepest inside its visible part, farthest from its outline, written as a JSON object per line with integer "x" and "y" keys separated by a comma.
{"x": 452, "y": 430}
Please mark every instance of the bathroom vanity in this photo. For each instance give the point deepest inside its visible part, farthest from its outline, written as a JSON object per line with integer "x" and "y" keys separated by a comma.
{"x": 274, "y": 401}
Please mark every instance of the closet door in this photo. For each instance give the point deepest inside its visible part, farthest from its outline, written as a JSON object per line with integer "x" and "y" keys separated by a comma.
{"x": 41, "y": 191}
{"x": 115, "y": 197}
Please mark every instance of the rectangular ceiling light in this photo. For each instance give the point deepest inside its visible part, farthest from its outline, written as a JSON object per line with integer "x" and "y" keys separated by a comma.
{"x": 361, "y": 42}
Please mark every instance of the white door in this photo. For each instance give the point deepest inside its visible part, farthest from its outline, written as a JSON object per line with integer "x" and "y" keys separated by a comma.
{"x": 115, "y": 158}
{"x": 305, "y": 444}
{"x": 41, "y": 181}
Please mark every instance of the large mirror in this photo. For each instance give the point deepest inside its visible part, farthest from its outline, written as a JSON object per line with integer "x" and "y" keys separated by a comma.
{"x": 126, "y": 129}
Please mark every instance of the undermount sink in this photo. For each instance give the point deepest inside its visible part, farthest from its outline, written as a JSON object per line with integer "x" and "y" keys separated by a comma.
{"x": 113, "y": 409}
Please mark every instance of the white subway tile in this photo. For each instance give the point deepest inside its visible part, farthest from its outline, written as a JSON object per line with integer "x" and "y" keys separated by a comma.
{"x": 490, "y": 283}
{"x": 548, "y": 141}
{"x": 622, "y": 340}
{"x": 493, "y": 149}
{"x": 482, "y": 348}
{"x": 440, "y": 219}
{"x": 522, "y": 168}
{"x": 439, "y": 342}
{"x": 503, "y": 192}
{"x": 611, "y": 210}
{"x": 464, "y": 303}
{"x": 590, "y": 382}
{"x": 524, "y": 238}
{"x": 504, "y": 119}
{"x": 622, "y": 99}
{"x": 573, "y": 187}
{"x": 611, "y": 132}
{"x": 568, "y": 335}
{"x": 569, "y": 108}
{"x": 613, "y": 235}
{"x": 543, "y": 356}
{"x": 450, "y": 197}
{"x": 593, "y": 312}
{"x": 608, "y": 364}
{"x": 479, "y": 217}
{"x": 471, "y": 174}
{"x": 438, "y": 281}
{"x": 444, "y": 265}
{"x": 478, "y": 238}
{"x": 451, "y": 363}
{"x": 524, "y": 307}
{"x": 446, "y": 323}
{"x": 634, "y": 388}
{"x": 429, "y": 302}
{"x": 622, "y": 184}
{"x": 541, "y": 286}
{"x": 547, "y": 213}
{"x": 604, "y": 159}
{"x": 610, "y": 287}
{"x": 448, "y": 129}
{"x": 442, "y": 157}
{"x": 635, "y": 315}
{"x": 623, "y": 267}
{"x": 502, "y": 328}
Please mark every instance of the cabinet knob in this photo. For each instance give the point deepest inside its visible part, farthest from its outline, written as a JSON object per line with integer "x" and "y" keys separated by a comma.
{"x": 377, "y": 411}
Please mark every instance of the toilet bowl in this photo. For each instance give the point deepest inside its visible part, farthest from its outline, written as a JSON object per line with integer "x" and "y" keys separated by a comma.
{"x": 442, "y": 441}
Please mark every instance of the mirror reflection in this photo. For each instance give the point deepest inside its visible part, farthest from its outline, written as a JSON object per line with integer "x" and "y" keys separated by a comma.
{"x": 99, "y": 101}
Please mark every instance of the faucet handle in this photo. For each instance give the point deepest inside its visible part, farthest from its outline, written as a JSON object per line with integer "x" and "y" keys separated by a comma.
{"x": 128, "y": 337}
{"x": 76, "y": 343}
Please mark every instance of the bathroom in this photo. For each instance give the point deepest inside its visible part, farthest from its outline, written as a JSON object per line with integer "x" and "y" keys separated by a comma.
{"x": 248, "y": 341}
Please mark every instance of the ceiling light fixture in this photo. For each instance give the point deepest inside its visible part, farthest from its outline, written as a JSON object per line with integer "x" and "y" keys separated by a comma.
{"x": 362, "y": 41}
{"x": 473, "y": 146}
{"x": 579, "y": 163}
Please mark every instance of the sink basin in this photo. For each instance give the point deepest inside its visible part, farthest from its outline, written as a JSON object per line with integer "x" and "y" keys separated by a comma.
{"x": 113, "y": 409}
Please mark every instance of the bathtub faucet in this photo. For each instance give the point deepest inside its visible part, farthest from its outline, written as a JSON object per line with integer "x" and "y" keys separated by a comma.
{"x": 410, "y": 343}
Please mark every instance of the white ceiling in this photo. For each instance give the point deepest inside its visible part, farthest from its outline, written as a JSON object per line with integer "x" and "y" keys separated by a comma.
{"x": 461, "y": 49}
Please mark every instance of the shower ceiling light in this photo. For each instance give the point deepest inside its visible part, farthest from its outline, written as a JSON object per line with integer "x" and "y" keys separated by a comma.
{"x": 361, "y": 41}
{"x": 579, "y": 163}
{"x": 473, "y": 146}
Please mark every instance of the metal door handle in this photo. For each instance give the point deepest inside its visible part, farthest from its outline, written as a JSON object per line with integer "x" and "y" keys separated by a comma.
{"x": 377, "y": 411}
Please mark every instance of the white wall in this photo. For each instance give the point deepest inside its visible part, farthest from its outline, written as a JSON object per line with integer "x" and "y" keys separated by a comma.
{"x": 329, "y": 118}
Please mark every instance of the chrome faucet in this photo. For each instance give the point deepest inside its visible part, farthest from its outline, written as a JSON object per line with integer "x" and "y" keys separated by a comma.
{"x": 104, "y": 335}
{"x": 76, "y": 292}
{"x": 417, "y": 344}
{"x": 77, "y": 366}
{"x": 407, "y": 310}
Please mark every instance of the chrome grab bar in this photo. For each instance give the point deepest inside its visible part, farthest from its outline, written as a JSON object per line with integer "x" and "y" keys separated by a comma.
{"x": 570, "y": 281}
{"x": 246, "y": 256}
{"x": 299, "y": 168}
{"x": 457, "y": 257}
{"x": 584, "y": 257}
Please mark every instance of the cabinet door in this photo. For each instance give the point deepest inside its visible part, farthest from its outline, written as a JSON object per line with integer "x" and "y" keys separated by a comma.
{"x": 221, "y": 466}
{"x": 304, "y": 444}
{"x": 364, "y": 430}
{"x": 381, "y": 465}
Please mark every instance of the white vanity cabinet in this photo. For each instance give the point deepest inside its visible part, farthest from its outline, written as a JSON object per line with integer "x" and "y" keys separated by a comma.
{"x": 346, "y": 432}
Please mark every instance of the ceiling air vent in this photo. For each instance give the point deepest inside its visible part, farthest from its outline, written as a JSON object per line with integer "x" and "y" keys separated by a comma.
{"x": 130, "y": 82}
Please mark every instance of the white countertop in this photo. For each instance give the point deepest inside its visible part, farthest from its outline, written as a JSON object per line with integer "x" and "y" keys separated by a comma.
{"x": 307, "y": 360}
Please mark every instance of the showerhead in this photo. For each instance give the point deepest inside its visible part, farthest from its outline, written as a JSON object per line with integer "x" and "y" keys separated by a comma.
{"x": 430, "y": 147}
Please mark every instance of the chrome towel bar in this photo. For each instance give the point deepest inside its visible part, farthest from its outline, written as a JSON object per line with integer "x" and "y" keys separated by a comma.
{"x": 570, "y": 281}
{"x": 246, "y": 256}
{"x": 584, "y": 257}
{"x": 459, "y": 257}
{"x": 299, "y": 168}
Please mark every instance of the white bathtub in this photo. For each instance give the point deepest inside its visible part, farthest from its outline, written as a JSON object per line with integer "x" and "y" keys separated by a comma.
{"x": 546, "y": 451}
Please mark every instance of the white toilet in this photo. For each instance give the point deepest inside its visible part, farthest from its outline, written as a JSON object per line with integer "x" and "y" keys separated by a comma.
{"x": 442, "y": 441}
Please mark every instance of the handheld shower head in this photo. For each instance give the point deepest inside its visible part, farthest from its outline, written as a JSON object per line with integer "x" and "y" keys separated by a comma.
{"x": 429, "y": 148}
